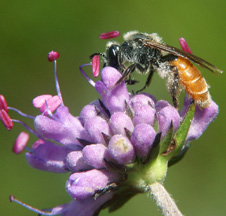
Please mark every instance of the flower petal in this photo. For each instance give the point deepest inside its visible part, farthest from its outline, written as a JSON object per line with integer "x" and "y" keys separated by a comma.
{"x": 202, "y": 119}
{"x": 119, "y": 121}
{"x": 142, "y": 139}
{"x": 95, "y": 154}
{"x": 96, "y": 127}
{"x": 48, "y": 157}
{"x": 64, "y": 128}
{"x": 121, "y": 149}
{"x": 166, "y": 116}
{"x": 113, "y": 95}
{"x": 85, "y": 207}
{"x": 76, "y": 162}
{"x": 82, "y": 185}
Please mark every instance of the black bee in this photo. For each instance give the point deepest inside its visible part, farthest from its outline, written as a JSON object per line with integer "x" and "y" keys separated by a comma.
{"x": 146, "y": 53}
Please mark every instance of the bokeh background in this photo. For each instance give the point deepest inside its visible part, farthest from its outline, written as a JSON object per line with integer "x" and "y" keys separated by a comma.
{"x": 30, "y": 29}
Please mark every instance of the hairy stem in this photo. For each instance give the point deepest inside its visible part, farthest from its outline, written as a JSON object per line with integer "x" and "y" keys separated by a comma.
{"x": 163, "y": 200}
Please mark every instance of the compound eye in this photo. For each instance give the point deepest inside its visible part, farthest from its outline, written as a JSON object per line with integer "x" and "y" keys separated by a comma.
{"x": 113, "y": 51}
{"x": 112, "y": 55}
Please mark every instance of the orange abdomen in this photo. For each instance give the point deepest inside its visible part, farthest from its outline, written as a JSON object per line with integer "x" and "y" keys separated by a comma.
{"x": 194, "y": 83}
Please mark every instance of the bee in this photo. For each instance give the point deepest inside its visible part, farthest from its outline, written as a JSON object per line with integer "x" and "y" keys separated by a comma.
{"x": 146, "y": 53}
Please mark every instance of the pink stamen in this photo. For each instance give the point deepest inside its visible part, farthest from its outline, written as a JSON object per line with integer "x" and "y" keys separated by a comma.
{"x": 184, "y": 45}
{"x": 109, "y": 35}
{"x": 3, "y": 103}
{"x": 40, "y": 212}
{"x": 6, "y": 120}
{"x": 20, "y": 143}
{"x": 96, "y": 66}
{"x": 53, "y": 55}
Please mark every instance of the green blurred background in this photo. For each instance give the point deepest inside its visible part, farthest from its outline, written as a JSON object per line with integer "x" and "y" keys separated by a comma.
{"x": 30, "y": 29}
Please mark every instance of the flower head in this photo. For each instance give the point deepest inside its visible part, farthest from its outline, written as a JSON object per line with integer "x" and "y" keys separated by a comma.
{"x": 118, "y": 145}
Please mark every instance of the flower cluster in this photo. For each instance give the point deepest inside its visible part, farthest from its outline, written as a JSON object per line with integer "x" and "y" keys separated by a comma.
{"x": 115, "y": 148}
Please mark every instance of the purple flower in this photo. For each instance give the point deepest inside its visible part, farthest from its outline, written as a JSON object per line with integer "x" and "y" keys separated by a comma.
{"x": 110, "y": 149}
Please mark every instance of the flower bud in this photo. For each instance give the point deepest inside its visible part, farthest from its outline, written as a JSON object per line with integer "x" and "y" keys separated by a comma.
{"x": 121, "y": 149}
{"x": 95, "y": 155}
{"x": 76, "y": 162}
{"x": 142, "y": 139}
{"x": 119, "y": 121}
{"x": 113, "y": 96}
{"x": 96, "y": 127}
{"x": 48, "y": 157}
{"x": 166, "y": 116}
{"x": 85, "y": 184}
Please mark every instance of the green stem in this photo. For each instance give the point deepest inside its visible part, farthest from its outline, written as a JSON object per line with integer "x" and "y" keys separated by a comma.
{"x": 163, "y": 200}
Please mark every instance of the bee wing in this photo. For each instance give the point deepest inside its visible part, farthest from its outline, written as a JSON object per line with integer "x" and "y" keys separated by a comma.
{"x": 183, "y": 54}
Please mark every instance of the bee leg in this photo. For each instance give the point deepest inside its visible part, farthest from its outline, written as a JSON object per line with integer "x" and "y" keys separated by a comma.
{"x": 100, "y": 54}
{"x": 126, "y": 73}
{"x": 175, "y": 101}
{"x": 174, "y": 88}
{"x": 148, "y": 81}
{"x": 131, "y": 81}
